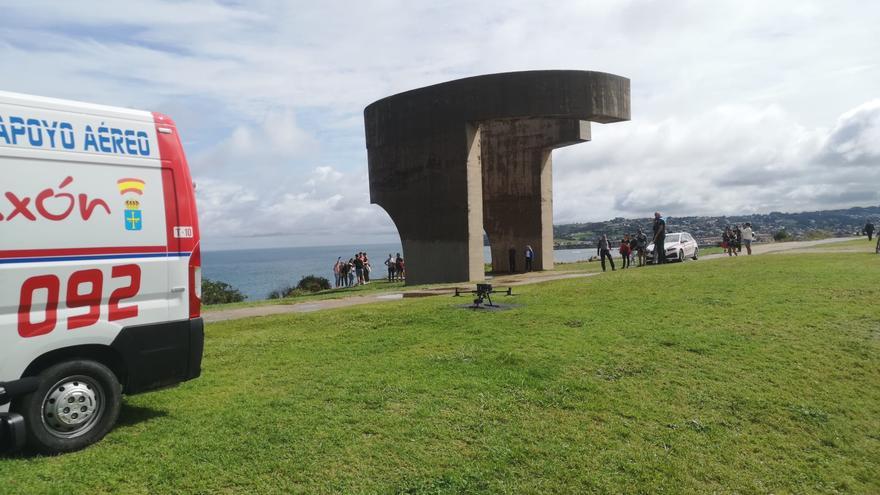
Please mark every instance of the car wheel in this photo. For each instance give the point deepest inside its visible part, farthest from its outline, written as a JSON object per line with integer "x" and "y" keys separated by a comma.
{"x": 696, "y": 254}
{"x": 681, "y": 256}
{"x": 76, "y": 404}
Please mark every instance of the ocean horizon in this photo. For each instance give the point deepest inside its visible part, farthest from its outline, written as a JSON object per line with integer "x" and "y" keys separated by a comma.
{"x": 257, "y": 272}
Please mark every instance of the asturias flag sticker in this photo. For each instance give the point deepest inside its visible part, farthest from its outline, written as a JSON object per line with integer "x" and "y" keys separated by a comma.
{"x": 133, "y": 220}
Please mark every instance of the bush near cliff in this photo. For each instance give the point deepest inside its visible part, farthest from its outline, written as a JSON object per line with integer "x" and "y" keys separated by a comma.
{"x": 312, "y": 283}
{"x": 217, "y": 292}
{"x": 307, "y": 284}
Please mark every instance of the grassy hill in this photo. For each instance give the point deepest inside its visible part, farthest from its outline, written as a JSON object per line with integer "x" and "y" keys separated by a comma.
{"x": 747, "y": 375}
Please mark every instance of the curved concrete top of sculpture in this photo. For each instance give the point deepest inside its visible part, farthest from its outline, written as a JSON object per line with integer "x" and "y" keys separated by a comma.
{"x": 565, "y": 94}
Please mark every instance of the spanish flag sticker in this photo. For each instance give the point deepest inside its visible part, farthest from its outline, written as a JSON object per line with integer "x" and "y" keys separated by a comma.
{"x": 130, "y": 185}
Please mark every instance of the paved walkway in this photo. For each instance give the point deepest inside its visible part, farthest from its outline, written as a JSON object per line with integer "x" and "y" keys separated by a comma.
{"x": 504, "y": 280}
{"x": 781, "y": 247}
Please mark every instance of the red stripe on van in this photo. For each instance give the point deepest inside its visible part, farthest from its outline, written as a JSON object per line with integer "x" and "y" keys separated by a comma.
{"x": 40, "y": 253}
{"x": 180, "y": 204}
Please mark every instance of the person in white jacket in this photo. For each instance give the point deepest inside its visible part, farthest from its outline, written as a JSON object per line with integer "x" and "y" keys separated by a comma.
{"x": 747, "y": 236}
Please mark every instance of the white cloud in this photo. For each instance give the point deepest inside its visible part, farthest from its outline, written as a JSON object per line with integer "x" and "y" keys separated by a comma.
{"x": 734, "y": 102}
{"x": 856, "y": 137}
{"x": 732, "y": 159}
{"x": 328, "y": 207}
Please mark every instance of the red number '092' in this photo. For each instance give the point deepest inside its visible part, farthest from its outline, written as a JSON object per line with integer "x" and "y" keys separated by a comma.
{"x": 76, "y": 299}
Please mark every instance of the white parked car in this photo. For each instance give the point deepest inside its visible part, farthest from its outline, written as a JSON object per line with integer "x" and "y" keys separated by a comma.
{"x": 679, "y": 246}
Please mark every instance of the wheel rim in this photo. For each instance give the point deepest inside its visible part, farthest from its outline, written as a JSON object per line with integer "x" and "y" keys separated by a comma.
{"x": 72, "y": 407}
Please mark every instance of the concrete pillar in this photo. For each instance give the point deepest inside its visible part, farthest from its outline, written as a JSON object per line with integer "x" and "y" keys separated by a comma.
{"x": 518, "y": 186}
{"x": 438, "y": 206}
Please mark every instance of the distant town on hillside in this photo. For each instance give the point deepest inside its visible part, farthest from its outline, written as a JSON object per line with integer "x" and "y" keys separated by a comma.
{"x": 707, "y": 230}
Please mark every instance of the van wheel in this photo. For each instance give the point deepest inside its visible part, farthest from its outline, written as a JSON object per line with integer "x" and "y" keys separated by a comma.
{"x": 75, "y": 405}
{"x": 696, "y": 254}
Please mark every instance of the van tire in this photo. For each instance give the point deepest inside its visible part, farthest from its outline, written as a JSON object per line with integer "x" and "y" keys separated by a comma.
{"x": 696, "y": 254}
{"x": 93, "y": 391}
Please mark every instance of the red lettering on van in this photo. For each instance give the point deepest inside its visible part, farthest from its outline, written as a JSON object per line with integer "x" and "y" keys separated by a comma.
{"x": 20, "y": 206}
{"x": 50, "y": 193}
{"x": 133, "y": 272}
{"x": 26, "y": 327}
{"x": 91, "y": 299}
{"x": 54, "y": 206}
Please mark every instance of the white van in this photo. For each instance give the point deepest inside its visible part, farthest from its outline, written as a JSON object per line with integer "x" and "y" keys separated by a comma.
{"x": 100, "y": 272}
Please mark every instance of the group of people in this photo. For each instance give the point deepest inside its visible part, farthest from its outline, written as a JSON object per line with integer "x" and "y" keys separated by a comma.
{"x": 734, "y": 238}
{"x": 396, "y": 267}
{"x": 634, "y": 247}
{"x": 356, "y": 271}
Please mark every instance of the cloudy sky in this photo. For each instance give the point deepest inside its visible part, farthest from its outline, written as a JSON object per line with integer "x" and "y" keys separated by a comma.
{"x": 737, "y": 106}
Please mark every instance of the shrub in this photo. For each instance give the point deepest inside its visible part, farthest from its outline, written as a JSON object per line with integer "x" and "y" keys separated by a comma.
{"x": 781, "y": 235}
{"x": 286, "y": 291}
{"x": 815, "y": 235}
{"x": 217, "y": 292}
{"x": 311, "y": 283}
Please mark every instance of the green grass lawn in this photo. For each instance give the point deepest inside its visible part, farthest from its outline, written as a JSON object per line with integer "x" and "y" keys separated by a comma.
{"x": 860, "y": 244}
{"x": 757, "y": 375}
{"x": 704, "y": 250}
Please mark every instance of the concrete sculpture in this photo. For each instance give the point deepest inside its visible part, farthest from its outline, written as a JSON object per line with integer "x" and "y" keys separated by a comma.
{"x": 450, "y": 160}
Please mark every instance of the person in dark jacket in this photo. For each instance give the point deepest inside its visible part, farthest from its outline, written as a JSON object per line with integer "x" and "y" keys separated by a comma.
{"x": 530, "y": 255}
{"x": 624, "y": 250}
{"x": 642, "y": 247}
{"x": 604, "y": 250}
{"x": 659, "y": 238}
{"x": 869, "y": 229}
{"x": 728, "y": 241}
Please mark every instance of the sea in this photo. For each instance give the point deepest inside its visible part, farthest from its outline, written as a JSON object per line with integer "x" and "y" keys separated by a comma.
{"x": 257, "y": 272}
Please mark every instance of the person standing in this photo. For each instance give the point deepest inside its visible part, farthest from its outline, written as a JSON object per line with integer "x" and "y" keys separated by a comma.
{"x": 337, "y": 271}
{"x": 659, "y": 238}
{"x": 400, "y": 267}
{"x": 641, "y": 247}
{"x": 344, "y": 272}
{"x": 603, "y": 249}
{"x": 624, "y": 251}
{"x": 728, "y": 240}
{"x": 359, "y": 268}
{"x": 738, "y": 238}
{"x": 633, "y": 246}
{"x": 391, "y": 263}
{"x": 869, "y": 229}
{"x": 367, "y": 268}
{"x": 530, "y": 254}
{"x": 351, "y": 273}
{"x": 747, "y": 237}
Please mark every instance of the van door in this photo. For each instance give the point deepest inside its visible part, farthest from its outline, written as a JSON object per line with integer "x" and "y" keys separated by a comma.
{"x": 83, "y": 251}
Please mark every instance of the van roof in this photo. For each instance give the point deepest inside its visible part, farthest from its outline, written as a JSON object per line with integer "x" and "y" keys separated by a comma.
{"x": 73, "y": 106}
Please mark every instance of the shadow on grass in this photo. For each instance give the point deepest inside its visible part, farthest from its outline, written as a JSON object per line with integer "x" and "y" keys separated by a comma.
{"x": 131, "y": 415}
{"x": 128, "y": 416}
